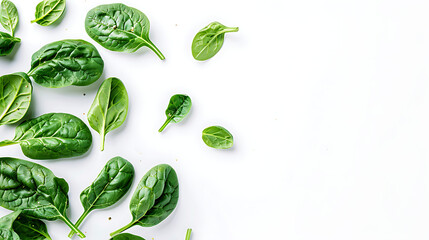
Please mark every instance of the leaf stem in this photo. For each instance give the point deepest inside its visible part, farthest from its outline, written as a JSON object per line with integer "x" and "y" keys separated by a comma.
{"x": 79, "y": 221}
{"x": 73, "y": 227}
{"x": 103, "y": 137}
{"x": 188, "y": 234}
{"x": 155, "y": 49}
{"x": 165, "y": 124}
{"x": 122, "y": 229}
{"x": 231, "y": 29}
{"x": 7, "y": 143}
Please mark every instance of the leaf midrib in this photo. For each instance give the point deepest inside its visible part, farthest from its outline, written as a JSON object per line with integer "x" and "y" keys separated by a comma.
{"x": 52, "y": 9}
{"x": 8, "y": 107}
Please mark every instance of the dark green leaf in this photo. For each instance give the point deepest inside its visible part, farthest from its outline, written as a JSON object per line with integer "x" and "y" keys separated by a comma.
{"x": 177, "y": 109}
{"x": 118, "y": 27}
{"x": 154, "y": 199}
{"x": 34, "y": 190}
{"x": 8, "y": 16}
{"x": 109, "y": 109}
{"x": 112, "y": 184}
{"x": 49, "y": 11}
{"x": 15, "y": 97}
{"x": 126, "y": 236}
{"x": 29, "y": 228}
{"x": 7, "y": 43}
{"x": 52, "y": 136}
{"x": 217, "y": 137}
{"x": 209, "y": 40}
{"x": 65, "y": 63}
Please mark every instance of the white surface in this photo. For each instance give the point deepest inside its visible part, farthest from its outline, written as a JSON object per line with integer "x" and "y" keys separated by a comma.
{"x": 327, "y": 102}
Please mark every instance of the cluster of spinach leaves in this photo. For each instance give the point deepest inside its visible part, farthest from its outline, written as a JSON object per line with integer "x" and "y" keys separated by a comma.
{"x": 9, "y": 20}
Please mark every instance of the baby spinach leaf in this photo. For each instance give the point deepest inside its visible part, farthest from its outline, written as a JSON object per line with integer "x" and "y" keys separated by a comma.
{"x": 209, "y": 40}
{"x": 7, "y": 43}
{"x": 65, "y": 63}
{"x": 8, "y": 234}
{"x": 217, "y": 137}
{"x": 120, "y": 28}
{"x": 112, "y": 184}
{"x": 188, "y": 234}
{"x": 52, "y": 136}
{"x": 15, "y": 97}
{"x": 34, "y": 190}
{"x": 154, "y": 199}
{"x": 8, "y": 16}
{"x": 109, "y": 109}
{"x": 29, "y": 228}
{"x": 177, "y": 109}
{"x": 126, "y": 236}
{"x": 49, "y": 11}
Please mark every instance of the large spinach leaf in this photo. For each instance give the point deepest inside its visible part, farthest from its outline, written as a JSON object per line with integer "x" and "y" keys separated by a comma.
{"x": 49, "y": 11}
{"x": 126, "y": 236}
{"x": 51, "y": 136}
{"x": 7, "y": 43}
{"x": 217, "y": 137}
{"x": 154, "y": 199}
{"x": 118, "y": 27}
{"x": 109, "y": 109}
{"x": 177, "y": 109}
{"x": 67, "y": 62}
{"x": 8, "y": 16}
{"x": 209, "y": 40}
{"x": 112, "y": 184}
{"x": 15, "y": 97}
{"x": 34, "y": 190}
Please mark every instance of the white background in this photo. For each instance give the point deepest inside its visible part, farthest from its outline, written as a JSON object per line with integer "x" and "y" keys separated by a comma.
{"x": 327, "y": 101}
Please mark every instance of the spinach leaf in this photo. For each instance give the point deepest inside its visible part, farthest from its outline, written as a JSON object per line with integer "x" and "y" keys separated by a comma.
{"x": 118, "y": 27}
{"x": 111, "y": 185}
{"x": 177, "y": 109}
{"x": 209, "y": 40}
{"x": 8, "y": 16}
{"x": 217, "y": 137}
{"x": 6, "y": 222}
{"x": 29, "y": 228}
{"x": 126, "y": 236}
{"x": 7, "y": 43}
{"x": 154, "y": 199}
{"x": 52, "y": 136}
{"x": 8, "y": 234}
{"x": 49, "y": 11}
{"x": 109, "y": 109}
{"x": 188, "y": 234}
{"x": 34, "y": 190}
{"x": 67, "y": 62}
{"x": 15, "y": 97}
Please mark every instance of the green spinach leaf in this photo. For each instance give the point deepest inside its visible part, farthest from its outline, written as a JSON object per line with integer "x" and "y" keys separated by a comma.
{"x": 109, "y": 109}
{"x": 29, "y": 228}
{"x": 49, "y": 11}
{"x": 126, "y": 236}
{"x": 7, "y": 43}
{"x": 8, "y": 16}
{"x": 209, "y": 40}
{"x": 112, "y": 184}
{"x": 188, "y": 234}
{"x": 177, "y": 109}
{"x": 15, "y": 97}
{"x": 217, "y": 137}
{"x": 118, "y": 27}
{"x": 65, "y": 63}
{"x": 154, "y": 199}
{"x": 34, "y": 190}
{"x": 8, "y": 234}
{"x": 52, "y": 136}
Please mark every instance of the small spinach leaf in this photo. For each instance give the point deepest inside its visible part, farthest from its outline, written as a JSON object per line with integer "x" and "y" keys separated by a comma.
{"x": 65, "y": 63}
{"x": 8, "y": 16}
{"x": 217, "y": 137}
{"x": 109, "y": 109}
{"x": 29, "y": 228}
{"x": 126, "y": 236}
{"x": 34, "y": 190}
{"x": 118, "y": 27}
{"x": 154, "y": 199}
{"x": 7, "y": 43}
{"x": 209, "y": 40}
{"x": 49, "y": 11}
{"x": 112, "y": 184}
{"x": 52, "y": 136}
{"x": 177, "y": 109}
{"x": 15, "y": 97}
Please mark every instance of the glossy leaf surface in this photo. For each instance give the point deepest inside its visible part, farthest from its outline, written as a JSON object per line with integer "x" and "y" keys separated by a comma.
{"x": 49, "y": 11}
{"x": 8, "y": 16}
{"x": 178, "y": 108}
{"x": 217, "y": 137}
{"x": 126, "y": 236}
{"x": 7, "y": 43}
{"x": 30, "y": 228}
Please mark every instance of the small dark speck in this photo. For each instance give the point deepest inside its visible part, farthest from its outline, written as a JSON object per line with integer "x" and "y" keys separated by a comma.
{"x": 176, "y": 25}
{"x": 83, "y": 113}
{"x": 110, "y": 218}
{"x": 84, "y": 94}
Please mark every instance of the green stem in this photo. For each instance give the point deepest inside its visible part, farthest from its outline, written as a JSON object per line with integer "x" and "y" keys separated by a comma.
{"x": 188, "y": 234}
{"x": 122, "y": 229}
{"x": 155, "y": 49}
{"x": 103, "y": 137}
{"x": 73, "y": 227}
{"x": 165, "y": 124}
{"x": 231, "y": 29}
{"x": 7, "y": 143}
{"x": 79, "y": 221}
